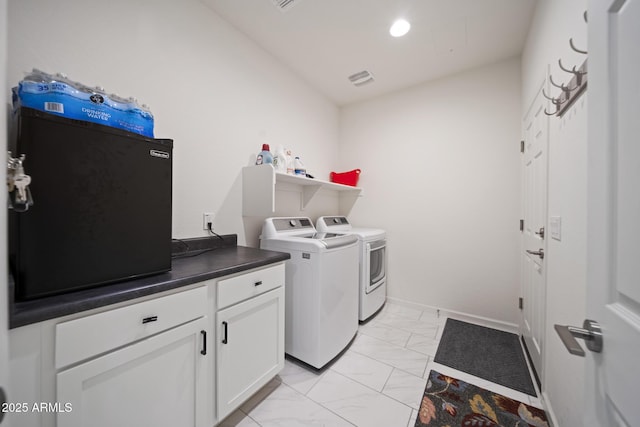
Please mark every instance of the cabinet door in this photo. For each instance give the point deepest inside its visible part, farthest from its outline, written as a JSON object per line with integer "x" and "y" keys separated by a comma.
{"x": 250, "y": 348}
{"x": 159, "y": 381}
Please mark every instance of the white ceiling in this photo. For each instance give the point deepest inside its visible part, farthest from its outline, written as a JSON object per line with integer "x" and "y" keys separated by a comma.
{"x": 325, "y": 41}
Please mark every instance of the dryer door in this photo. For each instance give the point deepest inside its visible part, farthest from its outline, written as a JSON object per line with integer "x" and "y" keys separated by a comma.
{"x": 377, "y": 264}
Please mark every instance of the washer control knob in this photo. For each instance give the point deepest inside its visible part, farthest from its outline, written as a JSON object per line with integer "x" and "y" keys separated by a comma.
{"x": 292, "y": 222}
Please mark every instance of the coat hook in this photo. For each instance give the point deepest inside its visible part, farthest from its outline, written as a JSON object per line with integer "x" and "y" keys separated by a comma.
{"x": 565, "y": 89}
{"x": 573, "y": 71}
{"x": 555, "y": 84}
{"x": 548, "y": 97}
{"x": 565, "y": 69}
{"x": 556, "y": 101}
{"x": 584, "y": 52}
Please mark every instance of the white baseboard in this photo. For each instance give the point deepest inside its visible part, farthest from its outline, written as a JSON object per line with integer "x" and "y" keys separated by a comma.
{"x": 479, "y": 320}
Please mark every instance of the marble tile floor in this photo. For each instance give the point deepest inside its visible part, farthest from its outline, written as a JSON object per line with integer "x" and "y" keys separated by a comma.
{"x": 378, "y": 381}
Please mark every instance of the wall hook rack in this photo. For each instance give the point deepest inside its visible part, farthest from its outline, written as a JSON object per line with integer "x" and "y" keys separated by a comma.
{"x": 572, "y": 90}
{"x": 570, "y": 93}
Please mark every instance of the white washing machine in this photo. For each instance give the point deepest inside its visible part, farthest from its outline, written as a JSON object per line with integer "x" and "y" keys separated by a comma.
{"x": 372, "y": 261}
{"x": 321, "y": 288}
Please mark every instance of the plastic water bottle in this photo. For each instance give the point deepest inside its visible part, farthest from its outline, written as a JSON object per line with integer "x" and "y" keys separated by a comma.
{"x": 299, "y": 167}
{"x": 265, "y": 156}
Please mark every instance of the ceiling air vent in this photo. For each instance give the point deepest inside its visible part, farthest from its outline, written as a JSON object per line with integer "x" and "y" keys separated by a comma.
{"x": 361, "y": 78}
{"x": 285, "y": 5}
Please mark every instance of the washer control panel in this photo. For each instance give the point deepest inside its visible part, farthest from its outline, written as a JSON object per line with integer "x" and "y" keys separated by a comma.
{"x": 286, "y": 224}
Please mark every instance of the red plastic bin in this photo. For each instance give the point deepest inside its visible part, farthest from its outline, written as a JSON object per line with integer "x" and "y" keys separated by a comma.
{"x": 346, "y": 178}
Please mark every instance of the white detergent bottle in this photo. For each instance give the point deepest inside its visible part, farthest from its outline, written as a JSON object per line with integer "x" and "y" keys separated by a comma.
{"x": 265, "y": 156}
{"x": 280, "y": 160}
{"x": 289, "y": 162}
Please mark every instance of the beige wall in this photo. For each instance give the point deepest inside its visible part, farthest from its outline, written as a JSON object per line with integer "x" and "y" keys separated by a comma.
{"x": 441, "y": 173}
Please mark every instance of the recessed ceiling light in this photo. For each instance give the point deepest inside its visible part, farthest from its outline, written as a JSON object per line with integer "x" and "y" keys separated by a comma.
{"x": 399, "y": 28}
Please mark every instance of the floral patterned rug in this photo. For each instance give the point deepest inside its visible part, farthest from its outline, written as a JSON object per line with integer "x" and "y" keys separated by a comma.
{"x": 449, "y": 402}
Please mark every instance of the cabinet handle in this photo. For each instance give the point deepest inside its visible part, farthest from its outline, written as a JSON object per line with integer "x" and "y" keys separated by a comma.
{"x": 149, "y": 319}
{"x": 204, "y": 343}
{"x": 224, "y": 329}
{"x": 258, "y": 283}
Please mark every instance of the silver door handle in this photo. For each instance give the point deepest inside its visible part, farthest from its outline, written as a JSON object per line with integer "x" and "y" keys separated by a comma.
{"x": 540, "y": 232}
{"x": 590, "y": 332}
{"x": 539, "y": 252}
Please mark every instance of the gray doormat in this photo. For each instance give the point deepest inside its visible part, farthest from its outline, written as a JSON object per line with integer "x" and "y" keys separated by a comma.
{"x": 486, "y": 353}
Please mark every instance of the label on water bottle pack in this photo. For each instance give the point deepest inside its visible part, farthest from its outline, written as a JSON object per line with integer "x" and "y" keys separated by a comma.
{"x": 56, "y": 107}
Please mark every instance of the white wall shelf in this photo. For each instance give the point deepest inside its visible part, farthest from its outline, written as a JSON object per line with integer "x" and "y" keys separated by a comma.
{"x": 259, "y": 184}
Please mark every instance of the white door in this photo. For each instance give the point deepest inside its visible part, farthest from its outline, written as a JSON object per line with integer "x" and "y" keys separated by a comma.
{"x": 159, "y": 381}
{"x": 4, "y": 335}
{"x": 250, "y": 348}
{"x": 613, "y": 275}
{"x": 536, "y": 136}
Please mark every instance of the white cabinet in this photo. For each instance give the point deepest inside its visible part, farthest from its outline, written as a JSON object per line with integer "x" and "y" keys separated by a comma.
{"x": 250, "y": 335}
{"x": 137, "y": 363}
{"x": 151, "y": 383}
{"x": 259, "y": 184}
{"x": 143, "y": 364}
{"x": 156, "y": 361}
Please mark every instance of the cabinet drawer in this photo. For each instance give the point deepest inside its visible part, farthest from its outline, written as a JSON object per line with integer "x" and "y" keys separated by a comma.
{"x": 247, "y": 285}
{"x": 89, "y": 336}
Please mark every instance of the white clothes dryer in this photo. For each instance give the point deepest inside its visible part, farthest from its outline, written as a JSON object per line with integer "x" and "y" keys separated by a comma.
{"x": 372, "y": 262}
{"x": 321, "y": 288}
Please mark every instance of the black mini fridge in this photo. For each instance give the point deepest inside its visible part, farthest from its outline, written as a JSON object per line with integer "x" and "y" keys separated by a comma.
{"x": 101, "y": 208}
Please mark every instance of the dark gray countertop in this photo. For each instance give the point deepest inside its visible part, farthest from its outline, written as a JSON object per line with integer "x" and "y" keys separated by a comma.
{"x": 215, "y": 262}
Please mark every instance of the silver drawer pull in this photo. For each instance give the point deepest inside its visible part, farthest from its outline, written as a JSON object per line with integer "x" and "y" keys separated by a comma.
{"x": 149, "y": 319}
{"x": 258, "y": 283}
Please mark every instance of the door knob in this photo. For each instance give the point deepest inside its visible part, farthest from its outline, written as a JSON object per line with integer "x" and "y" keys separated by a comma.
{"x": 539, "y": 252}
{"x": 590, "y": 332}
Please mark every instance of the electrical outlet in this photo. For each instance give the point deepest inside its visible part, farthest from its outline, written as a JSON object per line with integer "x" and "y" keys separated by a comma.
{"x": 207, "y": 218}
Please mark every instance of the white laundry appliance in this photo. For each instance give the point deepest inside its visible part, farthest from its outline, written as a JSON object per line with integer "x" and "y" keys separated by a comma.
{"x": 321, "y": 288}
{"x": 372, "y": 262}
